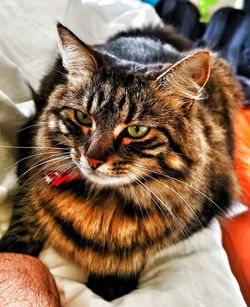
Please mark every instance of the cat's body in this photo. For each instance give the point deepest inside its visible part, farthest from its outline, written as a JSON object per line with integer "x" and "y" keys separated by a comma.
{"x": 151, "y": 191}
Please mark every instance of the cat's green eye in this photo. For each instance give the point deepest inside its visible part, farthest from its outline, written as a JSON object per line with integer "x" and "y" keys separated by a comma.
{"x": 83, "y": 119}
{"x": 137, "y": 131}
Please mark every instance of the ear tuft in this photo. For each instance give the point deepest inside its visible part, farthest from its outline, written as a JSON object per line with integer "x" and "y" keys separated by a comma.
{"x": 77, "y": 57}
{"x": 188, "y": 76}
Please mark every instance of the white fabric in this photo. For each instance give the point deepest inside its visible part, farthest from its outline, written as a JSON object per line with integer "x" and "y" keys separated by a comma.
{"x": 192, "y": 273}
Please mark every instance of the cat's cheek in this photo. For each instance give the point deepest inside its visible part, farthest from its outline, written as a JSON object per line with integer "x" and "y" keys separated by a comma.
{"x": 75, "y": 155}
{"x": 84, "y": 166}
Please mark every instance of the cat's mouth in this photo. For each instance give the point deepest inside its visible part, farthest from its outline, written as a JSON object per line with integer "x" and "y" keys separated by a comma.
{"x": 102, "y": 175}
{"x": 56, "y": 179}
{"x": 105, "y": 179}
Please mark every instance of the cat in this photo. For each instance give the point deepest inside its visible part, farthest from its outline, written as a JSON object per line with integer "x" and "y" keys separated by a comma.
{"x": 143, "y": 128}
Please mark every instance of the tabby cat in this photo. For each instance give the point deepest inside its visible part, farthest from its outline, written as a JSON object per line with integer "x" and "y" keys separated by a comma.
{"x": 142, "y": 129}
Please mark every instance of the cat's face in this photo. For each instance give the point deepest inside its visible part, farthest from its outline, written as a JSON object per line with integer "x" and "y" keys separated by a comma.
{"x": 121, "y": 126}
{"x": 113, "y": 128}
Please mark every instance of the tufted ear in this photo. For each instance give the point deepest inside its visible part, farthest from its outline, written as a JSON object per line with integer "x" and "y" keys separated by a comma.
{"x": 188, "y": 76}
{"x": 77, "y": 57}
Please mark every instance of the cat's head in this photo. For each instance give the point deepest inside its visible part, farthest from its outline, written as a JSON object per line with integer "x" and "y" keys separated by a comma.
{"x": 123, "y": 122}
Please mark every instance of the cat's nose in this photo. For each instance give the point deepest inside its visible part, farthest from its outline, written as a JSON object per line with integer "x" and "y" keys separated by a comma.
{"x": 94, "y": 163}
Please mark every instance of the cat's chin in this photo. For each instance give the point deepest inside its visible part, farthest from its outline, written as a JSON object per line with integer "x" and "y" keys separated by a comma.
{"x": 108, "y": 180}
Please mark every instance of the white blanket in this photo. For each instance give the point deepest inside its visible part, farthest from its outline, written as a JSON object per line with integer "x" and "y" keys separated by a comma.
{"x": 192, "y": 273}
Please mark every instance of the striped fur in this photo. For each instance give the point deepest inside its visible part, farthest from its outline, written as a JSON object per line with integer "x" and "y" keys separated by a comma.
{"x": 148, "y": 193}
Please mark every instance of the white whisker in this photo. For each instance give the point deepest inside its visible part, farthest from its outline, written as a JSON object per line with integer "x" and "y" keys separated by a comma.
{"x": 183, "y": 230}
{"x": 173, "y": 190}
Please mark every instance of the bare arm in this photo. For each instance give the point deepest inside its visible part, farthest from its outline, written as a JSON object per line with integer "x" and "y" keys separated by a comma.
{"x": 25, "y": 281}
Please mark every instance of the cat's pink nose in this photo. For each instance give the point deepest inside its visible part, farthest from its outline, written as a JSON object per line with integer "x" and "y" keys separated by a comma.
{"x": 94, "y": 163}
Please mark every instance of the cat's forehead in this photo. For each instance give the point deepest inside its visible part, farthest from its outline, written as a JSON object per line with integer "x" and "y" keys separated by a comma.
{"x": 111, "y": 97}
{"x": 109, "y": 103}
{"x": 112, "y": 93}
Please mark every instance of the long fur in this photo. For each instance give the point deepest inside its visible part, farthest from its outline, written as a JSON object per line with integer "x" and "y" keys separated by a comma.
{"x": 161, "y": 188}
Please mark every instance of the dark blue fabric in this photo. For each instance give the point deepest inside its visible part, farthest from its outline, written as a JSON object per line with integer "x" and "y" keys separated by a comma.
{"x": 244, "y": 59}
{"x": 233, "y": 52}
{"x": 183, "y": 15}
{"x": 166, "y": 9}
{"x": 216, "y": 27}
{"x": 245, "y": 84}
{"x": 190, "y": 24}
{"x": 229, "y": 33}
{"x": 218, "y": 31}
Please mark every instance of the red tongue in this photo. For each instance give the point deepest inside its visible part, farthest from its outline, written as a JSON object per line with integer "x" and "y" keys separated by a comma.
{"x": 55, "y": 179}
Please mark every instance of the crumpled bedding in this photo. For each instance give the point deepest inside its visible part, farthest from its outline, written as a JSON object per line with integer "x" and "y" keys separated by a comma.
{"x": 194, "y": 272}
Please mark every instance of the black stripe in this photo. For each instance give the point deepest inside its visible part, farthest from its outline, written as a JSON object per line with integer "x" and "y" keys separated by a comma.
{"x": 104, "y": 76}
{"x": 111, "y": 99}
{"x": 102, "y": 248}
{"x": 90, "y": 102}
{"x": 100, "y": 97}
{"x": 64, "y": 148}
{"x": 149, "y": 178}
{"x": 54, "y": 138}
{"x": 154, "y": 146}
{"x": 79, "y": 95}
{"x": 146, "y": 142}
{"x": 120, "y": 163}
{"x": 174, "y": 146}
{"x": 121, "y": 102}
{"x": 57, "y": 111}
{"x": 227, "y": 124}
{"x": 129, "y": 80}
{"x": 178, "y": 174}
{"x": 73, "y": 127}
{"x": 108, "y": 102}
{"x": 133, "y": 211}
{"x": 138, "y": 152}
{"x": 131, "y": 112}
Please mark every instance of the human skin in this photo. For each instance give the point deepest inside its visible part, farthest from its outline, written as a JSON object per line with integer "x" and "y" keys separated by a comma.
{"x": 26, "y": 282}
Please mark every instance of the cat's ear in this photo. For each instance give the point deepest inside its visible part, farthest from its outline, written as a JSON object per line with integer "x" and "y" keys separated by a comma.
{"x": 77, "y": 57}
{"x": 188, "y": 76}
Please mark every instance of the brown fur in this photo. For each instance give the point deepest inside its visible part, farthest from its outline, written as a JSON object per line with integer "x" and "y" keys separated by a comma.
{"x": 105, "y": 221}
{"x": 181, "y": 172}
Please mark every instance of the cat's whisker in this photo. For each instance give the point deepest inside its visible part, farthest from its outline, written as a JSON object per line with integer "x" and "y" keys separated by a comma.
{"x": 33, "y": 147}
{"x": 34, "y": 155}
{"x": 135, "y": 193}
{"x": 25, "y": 128}
{"x": 188, "y": 185}
{"x": 42, "y": 179}
{"x": 38, "y": 162}
{"x": 51, "y": 161}
{"x": 154, "y": 201}
{"x": 178, "y": 194}
{"x": 32, "y": 189}
{"x": 192, "y": 174}
{"x": 192, "y": 187}
{"x": 35, "y": 174}
{"x": 60, "y": 72}
{"x": 182, "y": 228}
{"x": 197, "y": 190}
{"x": 66, "y": 168}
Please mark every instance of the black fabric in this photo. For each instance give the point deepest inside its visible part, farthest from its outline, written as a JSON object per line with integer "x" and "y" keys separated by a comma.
{"x": 183, "y": 15}
{"x": 245, "y": 84}
{"x": 228, "y": 33}
{"x": 217, "y": 31}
